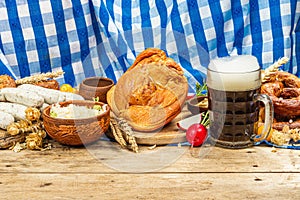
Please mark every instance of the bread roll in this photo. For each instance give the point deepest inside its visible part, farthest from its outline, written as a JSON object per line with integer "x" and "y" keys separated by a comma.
{"x": 7, "y": 81}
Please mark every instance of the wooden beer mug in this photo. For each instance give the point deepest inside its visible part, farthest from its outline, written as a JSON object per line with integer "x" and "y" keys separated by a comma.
{"x": 234, "y": 94}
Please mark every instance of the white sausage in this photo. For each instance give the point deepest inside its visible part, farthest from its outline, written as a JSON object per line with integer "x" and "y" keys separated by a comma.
{"x": 25, "y": 97}
{"x": 2, "y": 97}
{"x": 5, "y": 119}
{"x": 72, "y": 96}
{"x": 16, "y": 110}
{"x": 51, "y": 96}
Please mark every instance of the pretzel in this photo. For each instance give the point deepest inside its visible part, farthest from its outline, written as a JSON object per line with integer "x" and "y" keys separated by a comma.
{"x": 8, "y": 81}
{"x": 51, "y": 84}
{"x": 284, "y": 90}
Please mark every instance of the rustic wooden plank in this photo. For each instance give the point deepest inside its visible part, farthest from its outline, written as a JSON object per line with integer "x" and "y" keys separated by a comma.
{"x": 106, "y": 156}
{"x": 151, "y": 186}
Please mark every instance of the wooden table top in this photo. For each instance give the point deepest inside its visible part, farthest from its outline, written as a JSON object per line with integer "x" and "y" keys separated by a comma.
{"x": 105, "y": 171}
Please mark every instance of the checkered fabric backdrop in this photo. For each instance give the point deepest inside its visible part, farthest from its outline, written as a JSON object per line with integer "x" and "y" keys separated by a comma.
{"x": 102, "y": 38}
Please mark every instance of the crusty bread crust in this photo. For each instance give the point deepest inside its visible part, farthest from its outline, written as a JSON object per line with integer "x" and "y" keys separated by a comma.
{"x": 51, "y": 84}
{"x": 150, "y": 93}
{"x": 7, "y": 81}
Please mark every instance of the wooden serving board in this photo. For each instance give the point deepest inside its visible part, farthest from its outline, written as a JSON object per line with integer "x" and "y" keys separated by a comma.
{"x": 170, "y": 134}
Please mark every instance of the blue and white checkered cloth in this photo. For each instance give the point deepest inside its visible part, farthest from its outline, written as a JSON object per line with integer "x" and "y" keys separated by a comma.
{"x": 87, "y": 38}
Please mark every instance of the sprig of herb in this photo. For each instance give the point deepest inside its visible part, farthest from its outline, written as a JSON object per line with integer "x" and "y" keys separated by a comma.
{"x": 201, "y": 90}
{"x": 53, "y": 114}
{"x": 204, "y": 118}
{"x": 96, "y": 99}
{"x": 97, "y": 107}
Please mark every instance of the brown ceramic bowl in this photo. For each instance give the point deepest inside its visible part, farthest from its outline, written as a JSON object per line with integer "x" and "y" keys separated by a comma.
{"x": 76, "y": 131}
{"x": 94, "y": 87}
{"x": 195, "y": 104}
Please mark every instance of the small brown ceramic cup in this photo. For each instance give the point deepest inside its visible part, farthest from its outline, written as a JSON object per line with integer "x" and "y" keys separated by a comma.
{"x": 95, "y": 87}
{"x": 194, "y": 104}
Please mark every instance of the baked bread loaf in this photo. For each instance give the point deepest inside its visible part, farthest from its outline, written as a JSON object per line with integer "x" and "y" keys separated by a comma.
{"x": 150, "y": 93}
{"x": 7, "y": 81}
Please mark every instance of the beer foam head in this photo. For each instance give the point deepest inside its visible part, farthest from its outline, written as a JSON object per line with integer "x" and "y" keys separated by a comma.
{"x": 234, "y": 73}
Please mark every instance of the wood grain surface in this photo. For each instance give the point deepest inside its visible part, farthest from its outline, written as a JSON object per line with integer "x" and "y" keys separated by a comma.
{"x": 200, "y": 173}
{"x": 103, "y": 170}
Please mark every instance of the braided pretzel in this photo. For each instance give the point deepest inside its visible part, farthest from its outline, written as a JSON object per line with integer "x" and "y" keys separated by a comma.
{"x": 51, "y": 84}
{"x": 284, "y": 90}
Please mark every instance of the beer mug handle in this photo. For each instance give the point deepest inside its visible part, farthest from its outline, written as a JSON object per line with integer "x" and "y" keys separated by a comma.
{"x": 269, "y": 114}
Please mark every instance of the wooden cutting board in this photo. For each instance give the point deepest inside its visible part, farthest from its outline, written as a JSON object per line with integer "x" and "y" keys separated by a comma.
{"x": 170, "y": 134}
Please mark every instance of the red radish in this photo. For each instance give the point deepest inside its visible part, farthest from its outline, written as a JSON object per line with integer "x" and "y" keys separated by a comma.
{"x": 196, "y": 134}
